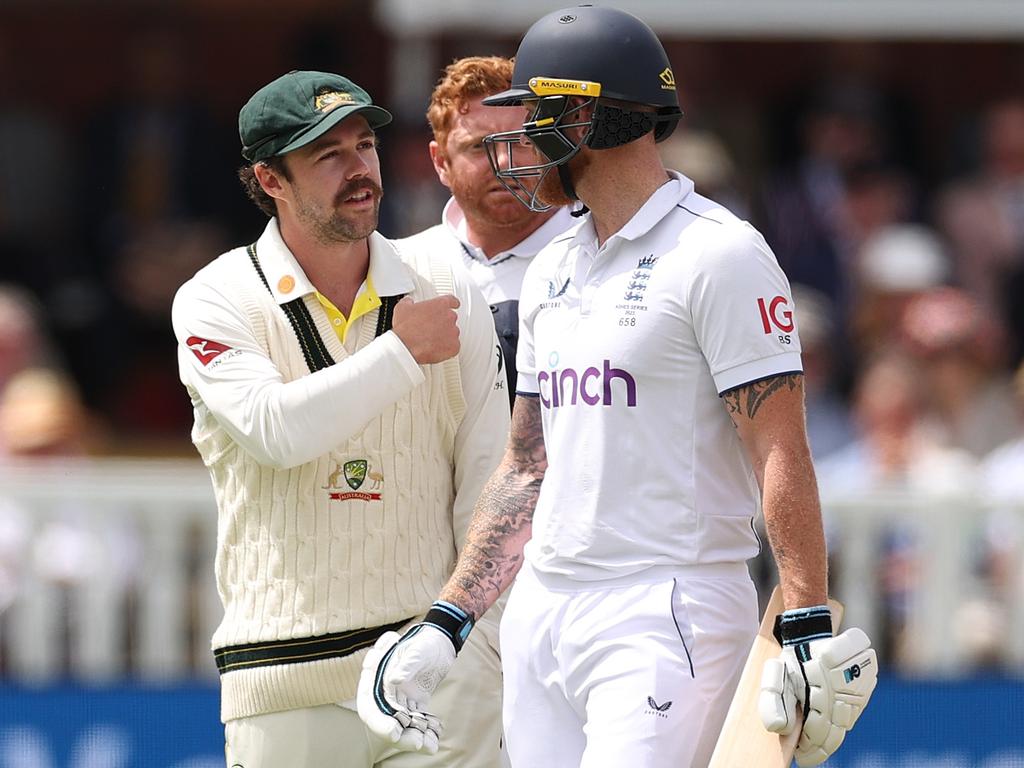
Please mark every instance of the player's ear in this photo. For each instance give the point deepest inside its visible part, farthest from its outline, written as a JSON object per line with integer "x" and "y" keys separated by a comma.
{"x": 269, "y": 178}
{"x": 440, "y": 161}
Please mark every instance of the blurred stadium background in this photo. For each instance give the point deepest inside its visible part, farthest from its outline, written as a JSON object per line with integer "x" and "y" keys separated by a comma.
{"x": 879, "y": 144}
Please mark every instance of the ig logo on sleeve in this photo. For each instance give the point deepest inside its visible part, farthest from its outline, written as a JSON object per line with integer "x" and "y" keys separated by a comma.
{"x": 777, "y": 316}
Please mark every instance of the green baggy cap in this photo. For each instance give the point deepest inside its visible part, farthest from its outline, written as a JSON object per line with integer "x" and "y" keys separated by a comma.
{"x": 298, "y": 108}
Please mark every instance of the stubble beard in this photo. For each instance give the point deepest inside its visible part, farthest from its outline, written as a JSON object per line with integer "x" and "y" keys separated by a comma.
{"x": 550, "y": 190}
{"x": 508, "y": 214}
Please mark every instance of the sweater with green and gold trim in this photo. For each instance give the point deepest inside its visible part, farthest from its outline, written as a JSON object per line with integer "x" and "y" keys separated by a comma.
{"x": 316, "y": 559}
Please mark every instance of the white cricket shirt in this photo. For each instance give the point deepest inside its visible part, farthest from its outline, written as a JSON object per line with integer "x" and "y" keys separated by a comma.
{"x": 501, "y": 278}
{"x": 629, "y": 346}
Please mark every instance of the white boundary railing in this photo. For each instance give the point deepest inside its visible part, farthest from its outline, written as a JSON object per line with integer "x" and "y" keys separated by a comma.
{"x": 110, "y": 570}
{"x": 144, "y": 535}
{"x": 948, "y": 535}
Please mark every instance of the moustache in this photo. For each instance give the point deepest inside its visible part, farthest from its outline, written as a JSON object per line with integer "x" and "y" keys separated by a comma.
{"x": 356, "y": 186}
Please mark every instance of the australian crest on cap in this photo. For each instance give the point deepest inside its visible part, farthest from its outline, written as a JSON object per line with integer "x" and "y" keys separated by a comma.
{"x": 328, "y": 98}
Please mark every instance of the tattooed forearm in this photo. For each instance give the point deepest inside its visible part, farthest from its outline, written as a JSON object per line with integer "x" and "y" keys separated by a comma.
{"x": 526, "y": 439}
{"x": 494, "y": 548}
{"x": 502, "y": 519}
{"x": 769, "y": 419}
{"x": 747, "y": 400}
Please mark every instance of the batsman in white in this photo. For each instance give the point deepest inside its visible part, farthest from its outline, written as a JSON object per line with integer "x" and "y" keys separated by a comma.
{"x": 659, "y": 403}
{"x": 347, "y": 404}
{"x": 483, "y": 227}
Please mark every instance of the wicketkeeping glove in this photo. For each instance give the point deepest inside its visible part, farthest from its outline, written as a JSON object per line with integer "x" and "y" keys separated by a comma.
{"x": 831, "y": 677}
{"x": 400, "y": 675}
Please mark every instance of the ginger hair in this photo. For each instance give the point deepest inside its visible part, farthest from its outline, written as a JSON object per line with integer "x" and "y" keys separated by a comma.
{"x": 463, "y": 81}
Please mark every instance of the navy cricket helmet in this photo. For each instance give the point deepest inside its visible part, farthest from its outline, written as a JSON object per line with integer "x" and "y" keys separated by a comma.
{"x": 571, "y": 58}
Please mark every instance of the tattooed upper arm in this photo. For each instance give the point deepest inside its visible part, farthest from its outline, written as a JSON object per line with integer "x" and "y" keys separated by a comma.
{"x": 769, "y": 414}
{"x": 745, "y": 402}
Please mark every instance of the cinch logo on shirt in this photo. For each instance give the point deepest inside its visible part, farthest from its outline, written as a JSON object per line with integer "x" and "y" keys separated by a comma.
{"x": 592, "y": 386}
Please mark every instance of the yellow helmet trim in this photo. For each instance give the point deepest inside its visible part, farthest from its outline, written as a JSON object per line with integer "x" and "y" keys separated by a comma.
{"x": 554, "y": 86}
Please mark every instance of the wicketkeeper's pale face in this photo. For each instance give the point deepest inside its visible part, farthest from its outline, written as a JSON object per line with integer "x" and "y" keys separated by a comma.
{"x": 463, "y": 167}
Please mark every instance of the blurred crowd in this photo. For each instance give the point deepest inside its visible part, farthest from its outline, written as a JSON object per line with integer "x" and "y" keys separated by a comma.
{"x": 908, "y": 279}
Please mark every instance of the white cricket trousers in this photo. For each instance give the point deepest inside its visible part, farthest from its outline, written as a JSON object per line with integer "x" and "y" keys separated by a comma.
{"x": 468, "y": 702}
{"x": 628, "y": 676}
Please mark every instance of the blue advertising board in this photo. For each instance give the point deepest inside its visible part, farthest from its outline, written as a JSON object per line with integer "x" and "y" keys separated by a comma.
{"x": 974, "y": 723}
{"x": 970, "y": 723}
{"x": 128, "y": 726}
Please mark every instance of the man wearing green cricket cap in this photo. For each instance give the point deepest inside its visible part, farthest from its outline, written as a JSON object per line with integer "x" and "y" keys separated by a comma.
{"x": 349, "y": 403}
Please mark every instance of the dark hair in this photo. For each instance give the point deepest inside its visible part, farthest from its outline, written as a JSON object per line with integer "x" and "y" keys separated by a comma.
{"x": 254, "y": 191}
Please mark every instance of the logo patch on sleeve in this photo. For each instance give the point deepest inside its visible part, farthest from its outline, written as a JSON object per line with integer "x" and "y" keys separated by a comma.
{"x": 771, "y": 314}
{"x": 205, "y": 349}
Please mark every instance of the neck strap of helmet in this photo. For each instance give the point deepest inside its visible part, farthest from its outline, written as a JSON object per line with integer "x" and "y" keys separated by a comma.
{"x": 566, "y": 178}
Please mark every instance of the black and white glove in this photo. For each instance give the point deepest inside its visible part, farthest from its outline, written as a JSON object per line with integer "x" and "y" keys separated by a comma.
{"x": 400, "y": 675}
{"x": 831, "y": 677}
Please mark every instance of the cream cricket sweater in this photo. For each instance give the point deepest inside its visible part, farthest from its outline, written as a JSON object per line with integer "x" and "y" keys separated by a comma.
{"x": 359, "y": 537}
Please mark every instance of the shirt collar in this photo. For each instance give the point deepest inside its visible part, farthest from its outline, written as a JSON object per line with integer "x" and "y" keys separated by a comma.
{"x": 664, "y": 200}
{"x": 389, "y": 273}
{"x": 288, "y": 282}
{"x": 658, "y": 206}
{"x": 454, "y": 220}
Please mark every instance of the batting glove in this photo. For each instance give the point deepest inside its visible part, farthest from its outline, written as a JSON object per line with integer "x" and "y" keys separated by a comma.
{"x": 400, "y": 675}
{"x": 831, "y": 677}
